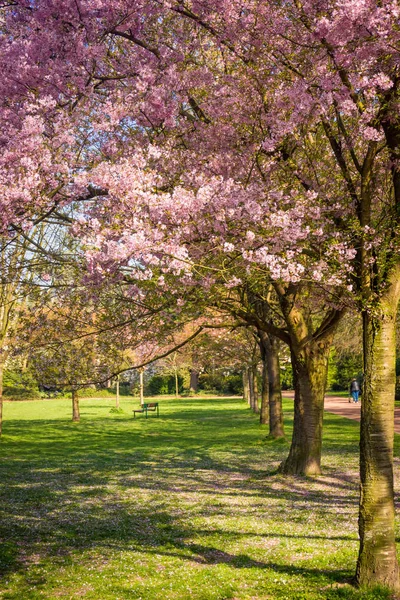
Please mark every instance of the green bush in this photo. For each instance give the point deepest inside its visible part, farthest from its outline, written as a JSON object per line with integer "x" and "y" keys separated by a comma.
{"x": 88, "y": 392}
{"x": 212, "y": 382}
{"x": 19, "y": 378}
{"x": 19, "y": 393}
{"x": 286, "y": 376}
{"x": 19, "y": 384}
{"x": 348, "y": 365}
{"x": 163, "y": 384}
{"x": 91, "y": 392}
{"x": 124, "y": 388}
{"x": 187, "y": 393}
{"x": 233, "y": 384}
{"x": 221, "y": 384}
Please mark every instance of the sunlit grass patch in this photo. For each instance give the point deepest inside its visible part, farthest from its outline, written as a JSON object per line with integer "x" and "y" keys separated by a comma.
{"x": 184, "y": 506}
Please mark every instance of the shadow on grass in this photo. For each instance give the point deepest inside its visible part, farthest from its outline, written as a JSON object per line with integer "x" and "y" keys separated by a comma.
{"x": 159, "y": 534}
{"x": 64, "y": 487}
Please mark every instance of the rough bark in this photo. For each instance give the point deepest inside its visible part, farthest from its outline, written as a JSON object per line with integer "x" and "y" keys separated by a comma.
{"x": 194, "y": 380}
{"x": 271, "y": 392}
{"x": 264, "y": 409}
{"x": 117, "y": 393}
{"x": 246, "y": 389}
{"x": 251, "y": 390}
{"x": 253, "y": 375}
{"x": 377, "y": 562}
{"x": 176, "y": 384}
{"x": 141, "y": 386}
{"x": 75, "y": 407}
{"x": 310, "y": 367}
{"x": 309, "y": 347}
{"x": 276, "y": 428}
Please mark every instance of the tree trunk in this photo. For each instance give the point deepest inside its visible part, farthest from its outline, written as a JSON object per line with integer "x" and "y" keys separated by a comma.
{"x": 75, "y": 407}
{"x": 276, "y": 428}
{"x": 194, "y": 380}
{"x": 253, "y": 375}
{"x": 141, "y": 386}
{"x": 117, "y": 393}
{"x": 271, "y": 402}
{"x": 246, "y": 389}
{"x": 176, "y": 384}
{"x": 251, "y": 388}
{"x": 264, "y": 410}
{"x": 310, "y": 368}
{"x": 377, "y": 562}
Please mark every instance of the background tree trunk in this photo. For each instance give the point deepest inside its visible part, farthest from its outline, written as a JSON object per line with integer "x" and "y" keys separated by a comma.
{"x": 141, "y": 386}
{"x": 377, "y": 562}
{"x": 264, "y": 410}
{"x": 117, "y": 393}
{"x": 75, "y": 407}
{"x": 271, "y": 390}
{"x": 176, "y": 383}
{"x": 246, "y": 389}
{"x": 251, "y": 387}
{"x": 276, "y": 428}
{"x": 254, "y": 377}
{"x": 194, "y": 380}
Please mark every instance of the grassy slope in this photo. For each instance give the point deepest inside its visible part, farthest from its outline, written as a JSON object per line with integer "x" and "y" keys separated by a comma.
{"x": 181, "y": 507}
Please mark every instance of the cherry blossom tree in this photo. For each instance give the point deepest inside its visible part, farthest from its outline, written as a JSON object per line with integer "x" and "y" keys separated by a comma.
{"x": 166, "y": 110}
{"x": 264, "y": 135}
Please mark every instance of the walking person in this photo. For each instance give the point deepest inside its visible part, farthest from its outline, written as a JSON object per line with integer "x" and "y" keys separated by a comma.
{"x": 354, "y": 390}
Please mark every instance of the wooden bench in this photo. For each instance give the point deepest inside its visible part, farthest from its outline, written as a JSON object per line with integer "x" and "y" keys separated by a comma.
{"x": 147, "y": 407}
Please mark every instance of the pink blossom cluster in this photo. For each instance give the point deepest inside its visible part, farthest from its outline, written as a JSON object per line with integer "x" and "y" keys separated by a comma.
{"x": 204, "y": 125}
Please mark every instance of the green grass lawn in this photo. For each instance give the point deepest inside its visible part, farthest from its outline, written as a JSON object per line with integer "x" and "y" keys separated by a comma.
{"x": 341, "y": 394}
{"x": 186, "y": 506}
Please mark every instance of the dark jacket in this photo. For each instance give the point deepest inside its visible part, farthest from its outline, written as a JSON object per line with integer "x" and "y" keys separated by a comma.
{"x": 354, "y": 387}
